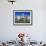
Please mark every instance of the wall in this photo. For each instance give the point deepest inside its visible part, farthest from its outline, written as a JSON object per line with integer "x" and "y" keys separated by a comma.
{"x": 37, "y": 31}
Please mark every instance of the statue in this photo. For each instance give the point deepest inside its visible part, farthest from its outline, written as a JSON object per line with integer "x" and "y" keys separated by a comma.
{"x": 21, "y": 36}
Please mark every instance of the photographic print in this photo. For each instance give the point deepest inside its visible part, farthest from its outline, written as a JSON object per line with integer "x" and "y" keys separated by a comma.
{"x": 22, "y": 17}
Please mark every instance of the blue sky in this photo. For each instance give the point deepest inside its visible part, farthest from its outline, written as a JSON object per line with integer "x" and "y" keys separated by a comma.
{"x": 21, "y": 13}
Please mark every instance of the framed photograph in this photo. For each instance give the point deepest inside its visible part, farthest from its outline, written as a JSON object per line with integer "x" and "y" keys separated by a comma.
{"x": 23, "y": 17}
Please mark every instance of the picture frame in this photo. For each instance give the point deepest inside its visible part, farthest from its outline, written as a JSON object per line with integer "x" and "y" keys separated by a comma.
{"x": 22, "y": 17}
